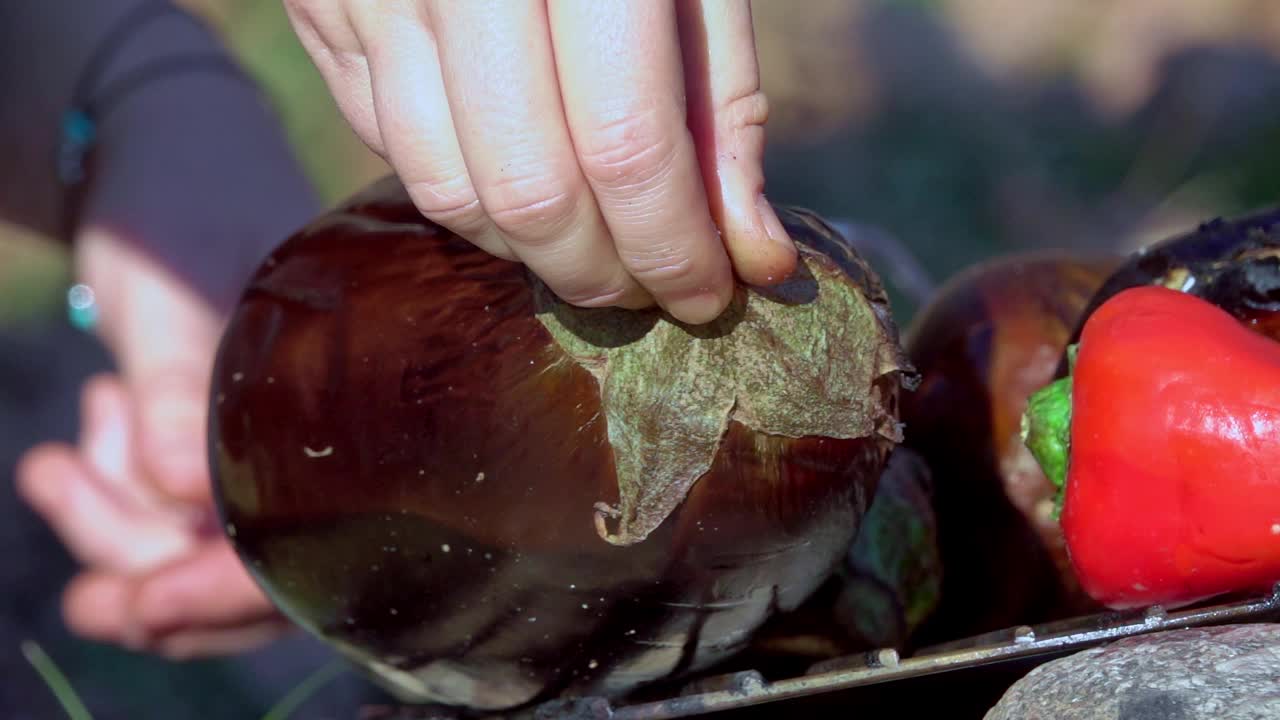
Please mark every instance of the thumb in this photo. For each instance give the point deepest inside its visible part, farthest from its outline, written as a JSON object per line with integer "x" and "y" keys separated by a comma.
{"x": 164, "y": 337}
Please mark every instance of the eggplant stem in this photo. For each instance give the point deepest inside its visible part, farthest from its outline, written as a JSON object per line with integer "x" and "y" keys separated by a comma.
{"x": 1046, "y": 431}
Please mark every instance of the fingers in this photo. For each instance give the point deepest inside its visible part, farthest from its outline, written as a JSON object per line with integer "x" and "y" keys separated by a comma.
{"x": 216, "y": 642}
{"x": 107, "y": 437}
{"x": 96, "y": 605}
{"x": 97, "y": 527}
{"x": 620, "y": 71}
{"x": 171, "y": 412}
{"x": 103, "y": 608}
{"x": 204, "y": 604}
{"x": 414, "y": 122}
{"x": 208, "y": 587}
{"x": 500, "y": 80}
{"x": 164, "y": 337}
{"x": 325, "y": 32}
{"x": 601, "y": 144}
{"x": 727, "y": 113}
{"x": 95, "y": 497}
{"x": 151, "y": 584}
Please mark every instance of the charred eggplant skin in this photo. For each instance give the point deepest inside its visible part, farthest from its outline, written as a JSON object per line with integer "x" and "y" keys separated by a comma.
{"x": 408, "y": 465}
{"x": 989, "y": 338}
{"x": 1232, "y": 263}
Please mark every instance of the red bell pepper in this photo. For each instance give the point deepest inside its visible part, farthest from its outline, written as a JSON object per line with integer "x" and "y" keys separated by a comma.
{"x": 1168, "y": 430}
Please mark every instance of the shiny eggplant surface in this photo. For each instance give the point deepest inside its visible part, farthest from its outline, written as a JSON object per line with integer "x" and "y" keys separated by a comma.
{"x": 992, "y": 336}
{"x": 410, "y": 464}
{"x": 1232, "y": 263}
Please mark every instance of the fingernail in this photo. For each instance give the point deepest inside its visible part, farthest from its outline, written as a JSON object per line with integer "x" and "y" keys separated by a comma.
{"x": 772, "y": 225}
{"x": 699, "y": 308}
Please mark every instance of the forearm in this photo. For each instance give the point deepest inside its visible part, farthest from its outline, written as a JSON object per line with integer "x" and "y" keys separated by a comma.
{"x": 45, "y": 47}
{"x": 191, "y": 166}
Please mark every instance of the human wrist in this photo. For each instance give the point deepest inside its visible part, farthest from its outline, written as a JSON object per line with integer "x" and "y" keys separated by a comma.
{"x": 195, "y": 170}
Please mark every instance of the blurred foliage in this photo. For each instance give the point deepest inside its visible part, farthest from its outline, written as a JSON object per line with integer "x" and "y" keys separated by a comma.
{"x": 964, "y": 128}
{"x": 259, "y": 34}
{"x": 30, "y": 273}
{"x": 963, "y": 148}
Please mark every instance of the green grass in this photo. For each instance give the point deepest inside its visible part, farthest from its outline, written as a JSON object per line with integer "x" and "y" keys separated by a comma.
{"x": 305, "y": 689}
{"x": 58, "y": 683}
{"x": 31, "y": 274}
{"x": 64, "y": 692}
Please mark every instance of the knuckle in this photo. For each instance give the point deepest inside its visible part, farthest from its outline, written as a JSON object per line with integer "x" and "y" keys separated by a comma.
{"x": 629, "y": 150}
{"x": 449, "y": 201}
{"x": 593, "y": 295}
{"x": 663, "y": 268}
{"x": 745, "y": 110}
{"x": 534, "y": 209}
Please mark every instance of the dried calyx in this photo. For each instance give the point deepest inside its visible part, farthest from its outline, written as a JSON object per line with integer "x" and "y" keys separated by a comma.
{"x": 814, "y": 356}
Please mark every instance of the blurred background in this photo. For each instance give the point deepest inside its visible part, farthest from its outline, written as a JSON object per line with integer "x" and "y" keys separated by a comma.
{"x": 949, "y": 130}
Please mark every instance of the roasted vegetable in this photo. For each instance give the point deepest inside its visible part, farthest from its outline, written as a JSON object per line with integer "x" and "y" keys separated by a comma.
{"x": 1173, "y": 434}
{"x": 1234, "y": 264}
{"x": 487, "y": 497}
{"x": 989, "y": 339}
{"x": 887, "y": 586}
{"x": 892, "y": 576}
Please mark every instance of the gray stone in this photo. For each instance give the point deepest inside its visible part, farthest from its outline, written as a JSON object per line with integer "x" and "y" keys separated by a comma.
{"x": 1225, "y": 673}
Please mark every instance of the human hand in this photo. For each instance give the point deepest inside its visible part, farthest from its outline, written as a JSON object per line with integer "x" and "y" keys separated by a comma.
{"x": 194, "y": 185}
{"x": 158, "y": 575}
{"x": 601, "y": 144}
{"x": 131, "y": 498}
